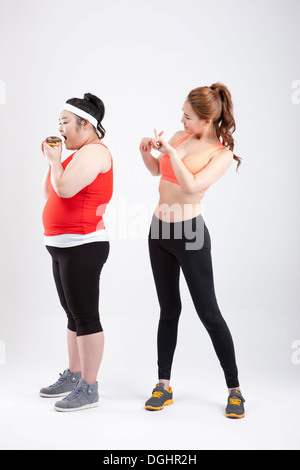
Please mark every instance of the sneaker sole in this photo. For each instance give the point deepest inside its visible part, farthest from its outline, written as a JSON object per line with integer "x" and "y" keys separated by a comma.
{"x": 57, "y": 395}
{"x": 156, "y": 408}
{"x": 233, "y": 415}
{"x": 83, "y": 407}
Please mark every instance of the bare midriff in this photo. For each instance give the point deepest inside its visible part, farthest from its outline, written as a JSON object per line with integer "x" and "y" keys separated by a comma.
{"x": 174, "y": 205}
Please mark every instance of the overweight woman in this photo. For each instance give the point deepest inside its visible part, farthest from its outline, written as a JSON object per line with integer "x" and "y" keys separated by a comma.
{"x": 193, "y": 160}
{"x": 77, "y": 192}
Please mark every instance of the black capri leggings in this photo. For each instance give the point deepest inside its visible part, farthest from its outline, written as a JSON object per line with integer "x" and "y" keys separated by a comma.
{"x": 187, "y": 245}
{"x": 76, "y": 272}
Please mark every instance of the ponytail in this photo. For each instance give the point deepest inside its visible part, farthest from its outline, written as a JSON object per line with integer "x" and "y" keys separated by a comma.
{"x": 225, "y": 124}
{"x": 98, "y": 104}
{"x": 215, "y": 103}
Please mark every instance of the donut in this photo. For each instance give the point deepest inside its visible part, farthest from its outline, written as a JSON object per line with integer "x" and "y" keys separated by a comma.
{"x": 53, "y": 141}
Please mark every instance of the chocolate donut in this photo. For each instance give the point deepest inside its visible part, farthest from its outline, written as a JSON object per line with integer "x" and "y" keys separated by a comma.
{"x": 53, "y": 141}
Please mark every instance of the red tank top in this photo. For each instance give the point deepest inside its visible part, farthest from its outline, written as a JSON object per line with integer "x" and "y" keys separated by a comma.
{"x": 82, "y": 213}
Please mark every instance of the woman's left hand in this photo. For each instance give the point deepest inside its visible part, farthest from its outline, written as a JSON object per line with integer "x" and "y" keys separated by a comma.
{"x": 52, "y": 154}
{"x": 159, "y": 143}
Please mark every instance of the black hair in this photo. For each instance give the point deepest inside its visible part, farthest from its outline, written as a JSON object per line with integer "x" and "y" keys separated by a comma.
{"x": 94, "y": 106}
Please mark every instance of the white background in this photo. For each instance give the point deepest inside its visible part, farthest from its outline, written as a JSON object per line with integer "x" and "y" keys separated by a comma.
{"x": 142, "y": 58}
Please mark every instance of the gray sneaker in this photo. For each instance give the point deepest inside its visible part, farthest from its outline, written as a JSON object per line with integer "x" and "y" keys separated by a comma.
{"x": 160, "y": 397}
{"x": 63, "y": 386}
{"x": 235, "y": 405}
{"x": 82, "y": 397}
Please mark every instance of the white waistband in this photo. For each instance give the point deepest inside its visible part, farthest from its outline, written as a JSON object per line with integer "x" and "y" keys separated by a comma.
{"x": 65, "y": 240}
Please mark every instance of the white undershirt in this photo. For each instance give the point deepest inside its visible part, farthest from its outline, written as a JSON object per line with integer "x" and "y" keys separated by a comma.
{"x": 65, "y": 240}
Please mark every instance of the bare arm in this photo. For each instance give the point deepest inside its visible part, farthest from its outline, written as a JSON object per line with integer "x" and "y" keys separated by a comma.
{"x": 152, "y": 163}
{"x": 190, "y": 183}
{"x": 85, "y": 166}
{"x": 45, "y": 189}
{"x": 218, "y": 165}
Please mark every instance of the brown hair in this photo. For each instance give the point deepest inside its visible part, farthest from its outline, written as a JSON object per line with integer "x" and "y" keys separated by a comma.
{"x": 215, "y": 103}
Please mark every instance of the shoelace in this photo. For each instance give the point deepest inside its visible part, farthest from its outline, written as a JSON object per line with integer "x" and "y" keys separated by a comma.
{"x": 74, "y": 394}
{"x": 60, "y": 379}
{"x": 157, "y": 394}
{"x": 235, "y": 401}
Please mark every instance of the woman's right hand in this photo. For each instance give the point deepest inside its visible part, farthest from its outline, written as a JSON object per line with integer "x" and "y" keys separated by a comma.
{"x": 146, "y": 146}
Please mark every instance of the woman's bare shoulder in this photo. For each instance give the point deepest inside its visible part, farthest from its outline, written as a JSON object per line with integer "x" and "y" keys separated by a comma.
{"x": 177, "y": 136}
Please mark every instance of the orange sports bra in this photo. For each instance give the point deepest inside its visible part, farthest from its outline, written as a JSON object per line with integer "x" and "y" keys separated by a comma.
{"x": 194, "y": 164}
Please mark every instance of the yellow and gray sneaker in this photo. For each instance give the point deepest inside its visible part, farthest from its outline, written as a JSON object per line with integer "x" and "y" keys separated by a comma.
{"x": 160, "y": 397}
{"x": 235, "y": 405}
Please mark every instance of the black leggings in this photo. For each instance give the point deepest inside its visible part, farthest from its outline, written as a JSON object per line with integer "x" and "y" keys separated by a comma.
{"x": 76, "y": 272}
{"x": 187, "y": 245}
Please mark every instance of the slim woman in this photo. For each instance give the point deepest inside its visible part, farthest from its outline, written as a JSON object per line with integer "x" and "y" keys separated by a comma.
{"x": 77, "y": 192}
{"x": 179, "y": 239}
